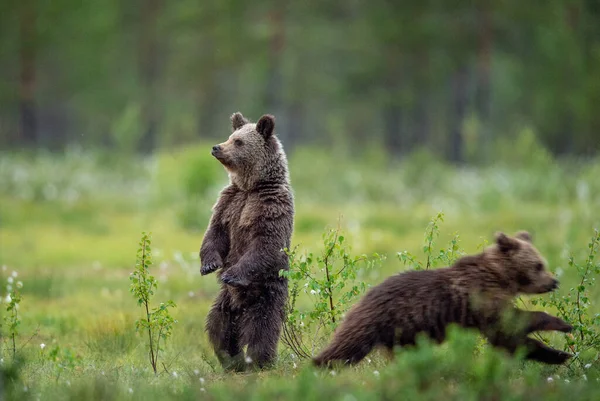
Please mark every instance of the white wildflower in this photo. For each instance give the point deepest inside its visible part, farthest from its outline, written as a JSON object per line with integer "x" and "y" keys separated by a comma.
{"x": 196, "y": 372}
{"x": 294, "y": 365}
{"x": 584, "y": 377}
{"x": 376, "y": 373}
{"x": 368, "y": 360}
{"x": 549, "y": 380}
{"x": 7, "y": 299}
{"x": 333, "y": 373}
{"x": 130, "y": 390}
{"x": 567, "y": 381}
{"x": 42, "y": 345}
{"x": 202, "y": 380}
{"x": 14, "y": 274}
{"x": 175, "y": 374}
{"x": 9, "y": 288}
{"x": 191, "y": 294}
{"x": 248, "y": 359}
{"x": 313, "y": 292}
{"x": 588, "y": 365}
{"x": 10, "y": 280}
{"x": 202, "y": 389}
{"x": 19, "y": 284}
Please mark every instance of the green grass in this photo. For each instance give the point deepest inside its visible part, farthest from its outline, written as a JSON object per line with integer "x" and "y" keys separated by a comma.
{"x": 74, "y": 254}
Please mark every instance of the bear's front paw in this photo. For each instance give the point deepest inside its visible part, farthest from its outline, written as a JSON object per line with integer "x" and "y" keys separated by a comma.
{"x": 209, "y": 268}
{"x": 565, "y": 327}
{"x": 234, "y": 281}
{"x": 561, "y": 357}
{"x": 557, "y": 324}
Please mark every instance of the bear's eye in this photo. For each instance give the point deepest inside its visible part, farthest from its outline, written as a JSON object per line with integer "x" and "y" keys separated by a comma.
{"x": 539, "y": 267}
{"x": 238, "y": 142}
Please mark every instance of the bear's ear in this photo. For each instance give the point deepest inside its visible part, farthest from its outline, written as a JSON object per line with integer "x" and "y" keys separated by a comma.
{"x": 238, "y": 121}
{"x": 505, "y": 243}
{"x": 265, "y": 126}
{"x": 525, "y": 236}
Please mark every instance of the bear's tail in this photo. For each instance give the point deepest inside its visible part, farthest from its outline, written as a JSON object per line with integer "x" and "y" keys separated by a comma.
{"x": 349, "y": 346}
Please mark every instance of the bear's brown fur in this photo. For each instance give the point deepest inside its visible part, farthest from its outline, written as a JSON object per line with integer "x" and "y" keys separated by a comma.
{"x": 476, "y": 292}
{"x": 251, "y": 224}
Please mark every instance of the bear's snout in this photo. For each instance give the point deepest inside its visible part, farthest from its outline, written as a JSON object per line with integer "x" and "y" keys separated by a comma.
{"x": 554, "y": 284}
{"x": 215, "y": 149}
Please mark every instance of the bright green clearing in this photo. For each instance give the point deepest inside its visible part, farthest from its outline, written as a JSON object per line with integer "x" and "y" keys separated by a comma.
{"x": 70, "y": 228}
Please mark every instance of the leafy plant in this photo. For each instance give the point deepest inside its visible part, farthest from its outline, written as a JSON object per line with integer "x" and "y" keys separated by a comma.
{"x": 332, "y": 282}
{"x": 574, "y": 307}
{"x": 12, "y": 320}
{"x": 63, "y": 359}
{"x": 157, "y": 322}
{"x": 445, "y": 256}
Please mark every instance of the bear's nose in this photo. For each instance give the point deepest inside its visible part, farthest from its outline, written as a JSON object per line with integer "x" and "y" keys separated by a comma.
{"x": 216, "y": 148}
{"x": 554, "y": 284}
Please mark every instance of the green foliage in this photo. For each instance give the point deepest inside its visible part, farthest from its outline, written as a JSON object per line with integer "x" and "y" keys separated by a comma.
{"x": 12, "y": 321}
{"x": 200, "y": 176}
{"x": 332, "y": 281}
{"x": 72, "y": 254}
{"x": 445, "y": 256}
{"x": 62, "y": 360}
{"x": 158, "y": 322}
{"x": 574, "y": 307}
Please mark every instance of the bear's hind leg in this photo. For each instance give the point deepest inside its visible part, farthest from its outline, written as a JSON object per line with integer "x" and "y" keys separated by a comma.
{"x": 260, "y": 327}
{"x": 222, "y": 325}
{"x": 538, "y": 351}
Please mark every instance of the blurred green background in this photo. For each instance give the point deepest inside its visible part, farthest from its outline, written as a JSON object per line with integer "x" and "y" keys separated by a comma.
{"x": 389, "y": 111}
{"x": 452, "y": 76}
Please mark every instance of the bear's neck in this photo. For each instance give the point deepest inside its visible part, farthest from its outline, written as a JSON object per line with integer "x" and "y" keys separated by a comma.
{"x": 251, "y": 180}
{"x": 485, "y": 274}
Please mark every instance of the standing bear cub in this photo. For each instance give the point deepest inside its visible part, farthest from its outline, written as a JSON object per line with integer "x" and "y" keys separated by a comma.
{"x": 251, "y": 224}
{"x": 476, "y": 292}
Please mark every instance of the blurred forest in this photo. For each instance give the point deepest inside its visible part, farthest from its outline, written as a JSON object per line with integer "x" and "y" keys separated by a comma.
{"x": 451, "y": 76}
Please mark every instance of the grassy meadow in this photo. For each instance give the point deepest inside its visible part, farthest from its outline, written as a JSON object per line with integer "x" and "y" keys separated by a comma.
{"x": 69, "y": 231}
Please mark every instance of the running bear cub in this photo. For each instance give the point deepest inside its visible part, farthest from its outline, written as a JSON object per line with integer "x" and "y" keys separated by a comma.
{"x": 476, "y": 292}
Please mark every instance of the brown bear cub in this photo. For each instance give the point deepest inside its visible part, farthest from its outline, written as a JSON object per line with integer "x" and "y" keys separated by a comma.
{"x": 476, "y": 292}
{"x": 251, "y": 224}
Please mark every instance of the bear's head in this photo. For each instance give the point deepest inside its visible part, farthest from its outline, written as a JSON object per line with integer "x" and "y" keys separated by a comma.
{"x": 522, "y": 264}
{"x": 252, "y": 153}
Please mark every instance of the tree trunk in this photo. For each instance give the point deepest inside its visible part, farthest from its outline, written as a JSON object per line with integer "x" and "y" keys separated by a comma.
{"x": 393, "y": 120}
{"x": 459, "y": 101}
{"x": 274, "y": 86}
{"x": 394, "y": 107}
{"x": 423, "y": 96}
{"x": 27, "y": 107}
{"x": 483, "y": 89}
{"x": 148, "y": 70}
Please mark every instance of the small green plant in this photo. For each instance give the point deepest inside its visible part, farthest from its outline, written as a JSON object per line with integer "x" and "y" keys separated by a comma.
{"x": 12, "y": 320}
{"x": 158, "y": 322}
{"x": 445, "y": 256}
{"x": 332, "y": 281}
{"x": 63, "y": 360}
{"x": 574, "y": 307}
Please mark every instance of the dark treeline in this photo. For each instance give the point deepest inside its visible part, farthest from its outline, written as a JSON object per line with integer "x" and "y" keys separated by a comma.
{"x": 453, "y": 76}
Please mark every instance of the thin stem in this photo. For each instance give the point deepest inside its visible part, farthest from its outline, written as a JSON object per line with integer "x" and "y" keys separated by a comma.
{"x": 429, "y": 243}
{"x": 326, "y": 262}
{"x": 14, "y": 334}
{"x": 152, "y": 358}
